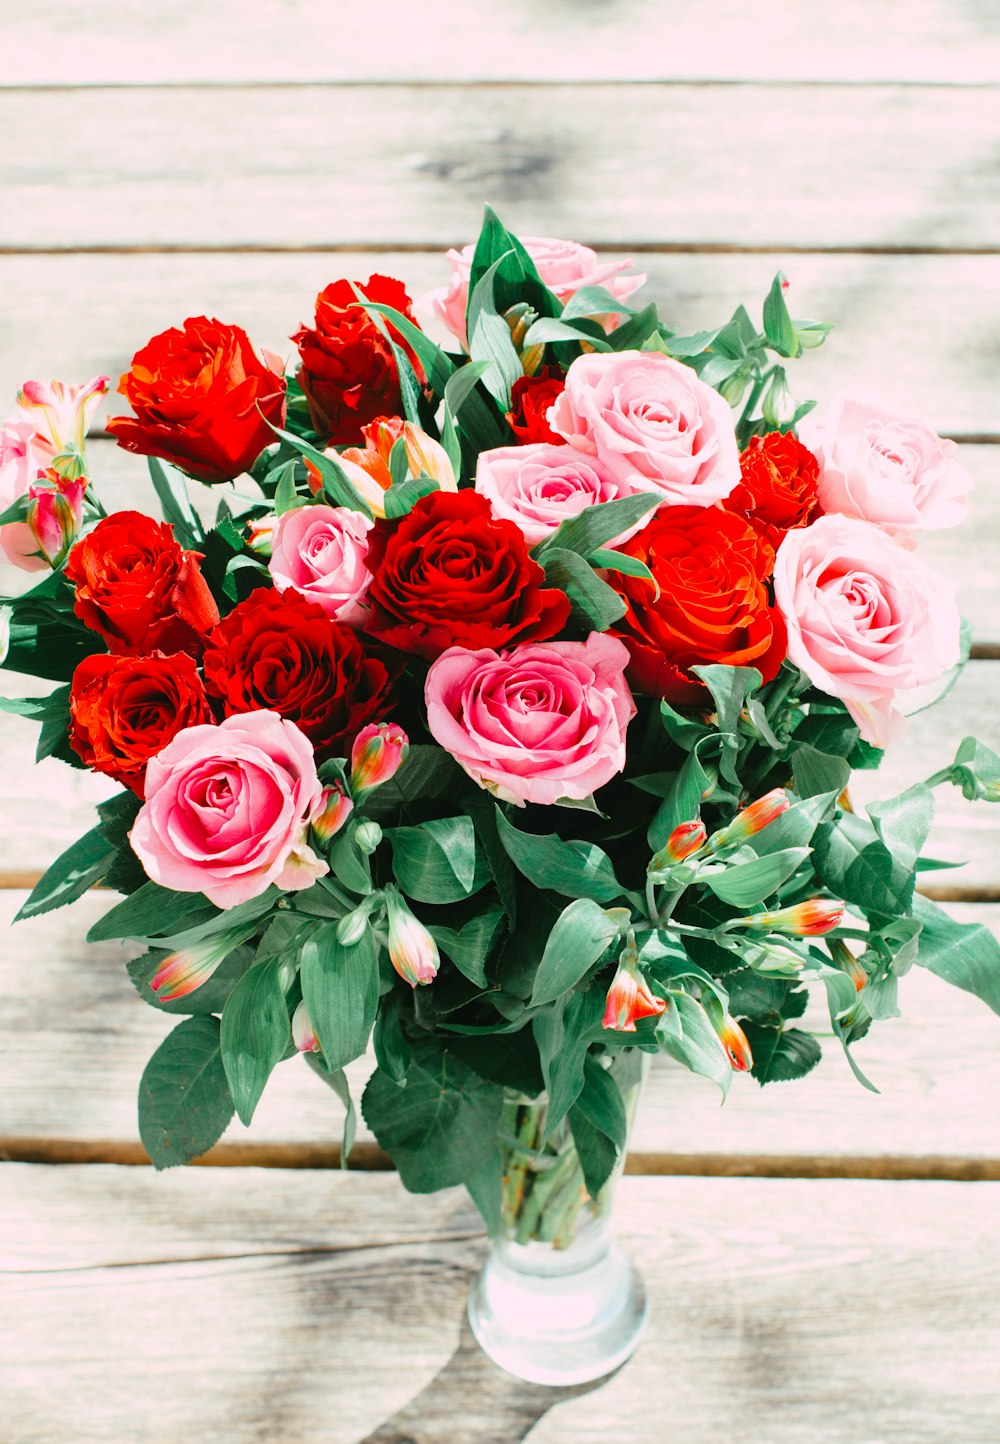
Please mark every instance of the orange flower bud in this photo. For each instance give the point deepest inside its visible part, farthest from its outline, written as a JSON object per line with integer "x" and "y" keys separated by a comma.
{"x": 806, "y": 919}
{"x": 734, "y": 1040}
{"x": 412, "y": 950}
{"x": 379, "y": 750}
{"x": 629, "y": 996}
{"x": 686, "y": 839}
{"x": 336, "y": 808}
{"x": 754, "y": 818}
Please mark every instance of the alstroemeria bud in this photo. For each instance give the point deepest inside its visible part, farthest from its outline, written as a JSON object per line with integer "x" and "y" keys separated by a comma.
{"x": 303, "y": 1033}
{"x": 66, "y": 411}
{"x": 184, "y": 971}
{"x": 424, "y": 455}
{"x": 412, "y": 950}
{"x": 336, "y": 808}
{"x": 734, "y": 1040}
{"x": 379, "y": 750}
{"x": 55, "y": 514}
{"x": 367, "y": 836}
{"x": 260, "y": 532}
{"x": 772, "y": 957}
{"x": 806, "y": 919}
{"x": 365, "y": 470}
{"x": 845, "y": 960}
{"x": 629, "y": 996}
{"x": 753, "y": 819}
{"x": 687, "y": 838}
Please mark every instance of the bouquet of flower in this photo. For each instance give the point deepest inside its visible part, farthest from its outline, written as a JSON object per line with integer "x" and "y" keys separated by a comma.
{"x": 502, "y": 719}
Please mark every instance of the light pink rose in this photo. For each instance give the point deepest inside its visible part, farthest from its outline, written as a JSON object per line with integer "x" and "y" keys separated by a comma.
{"x": 541, "y": 722}
{"x": 652, "y": 423}
{"x": 23, "y": 456}
{"x": 227, "y": 809}
{"x": 867, "y": 620}
{"x": 320, "y": 552}
{"x": 538, "y": 486}
{"x": 887, "y": 467}
{"x": 564, "y": 266}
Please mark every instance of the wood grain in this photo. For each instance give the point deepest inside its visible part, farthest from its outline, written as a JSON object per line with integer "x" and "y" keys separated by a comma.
{"x": 75, "y": 1037}
{"x": 925, "y": 330}
{"x": 616, "y": 165}
{"x": 310, "y": 41}
{"x": 330, "y": 1308}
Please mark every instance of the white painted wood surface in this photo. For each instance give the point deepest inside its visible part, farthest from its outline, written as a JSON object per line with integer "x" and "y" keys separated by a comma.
{"x": 327, "y": 1309}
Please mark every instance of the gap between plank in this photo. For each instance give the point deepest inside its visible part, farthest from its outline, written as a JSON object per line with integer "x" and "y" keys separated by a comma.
{"x": 514, "y": 82}
{"x": 378, "y": 248}
{"x": 369, "y": 1158}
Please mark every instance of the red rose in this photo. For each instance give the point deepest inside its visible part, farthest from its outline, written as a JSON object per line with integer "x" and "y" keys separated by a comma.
{"x": 778, "y": 490}
{"x": 126, "y": 709}
{"x": 278, "y": 652}
{"x": 137, "y": 587}
{"x": 712, "y": 568}
{"x": 451, "y": 575}
{"x": 202, "y": 399}
{"x": 348, "y": 370}
{"x": 530, "y": 399}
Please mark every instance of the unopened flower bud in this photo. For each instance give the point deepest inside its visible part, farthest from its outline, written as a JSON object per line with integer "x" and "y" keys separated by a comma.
{"x": 737, "y": 1047}
{"x": 845, "y": 960}
{"x": 412, "y": 950}
{"x": 379, "y": 750}
{"x": 303, "y": 1033}
{"x": 260, "y": 532}
{"x": 367, "y": 836}
{"x": 753, "y": 819}
{"x": 185, "y": 970}
{"x": 55, "y": 514}
{"x": 772, "y": 957}
{"x": 629, "y": 996}
{"x": 806, "y": 919}
{"x": 335, "y": 808}
{"x": 424, "y": 455}
{"x": 352, "y": 925}
{"x": 686, "y": 839}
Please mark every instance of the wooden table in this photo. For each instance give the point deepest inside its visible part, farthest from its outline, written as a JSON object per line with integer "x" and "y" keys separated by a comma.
{"x": 824, "y": 1263}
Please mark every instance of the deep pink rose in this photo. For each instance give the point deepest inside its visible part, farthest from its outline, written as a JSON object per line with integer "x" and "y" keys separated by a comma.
{"x": 564, "y": 266}
{"x": 320, "y": 552}
{"x": 652, "y": 423}
{"x": 887, "y": 467}
{"x": 538, "y": 723}
{"x": 539, "y": 486}
{"x": 24, "y": 454}
{"x": 867, "y": 620}
{"x": 227, "y": 809}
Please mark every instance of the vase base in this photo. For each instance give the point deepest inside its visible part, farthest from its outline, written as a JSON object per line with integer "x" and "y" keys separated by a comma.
{"x": 554, "y": 1329}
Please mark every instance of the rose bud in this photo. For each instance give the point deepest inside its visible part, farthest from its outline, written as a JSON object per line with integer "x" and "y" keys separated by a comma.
{"x": 335, "y": 808}
{"x": 303, "y": 1032}
{"x": 734, "y": 1040}
{"x": 379, "y": 750}
{"x": 412, "y": 950}
{"x": 629, "y": 996}
{"x": 185, "y": 970}
{"x": 55, "y": 514}
{"x": 806, "y": 919}
{"x": 753, "y": 819}
{"x": 66, "y": 412}
{"x": 686, "y": 839}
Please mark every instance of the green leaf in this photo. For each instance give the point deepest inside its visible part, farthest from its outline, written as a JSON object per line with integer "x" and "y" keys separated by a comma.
{"x": 486, "y": 1191}
{"x": 69, "y": 877}
{"x": 730, "y": 687}
{"x": 175, "y": 503}
{"x": 816, "y": 772}
{"x": 392, "y": 1050}
{"x": 490, "y": 339}
{"x": 340, "y": 988}
{"x": 184, "y": 1101}
{"x": 854, "y": 863}
{"x": 151, "y": 912}
{"x": 778, "y": 326}
{"x": 595, "y": 604}
{"x": 612, "y": 561}
{"x": 601, "y": 1102}
{"x": 966, "y": 955}
{"x": 582, "y": 932}
{"x": 437, "y": 861}
{"x": 551, "y": 331}
{"x": 210, "y": 997}
{"x": 632, "y": 333}
{"x": 746, "y": 883}
{"x": 438, "y": 367}
{"x": 337, "y": 1081}
{"x": 469, "y": 948}
{"x": 684, "y": 1031}
{"x": 516, "y": 278}
{"x": 563, "y": 1033}
{"x": 597, "y": 525}
{"x": 976, "y": 769}
{"x": 594, "y": 301}
{"x": 597, "y": 1153}
{"x": 904, "y": 823}
{"x": 795, "y": 826}
{"x": 574, "y": 869}
{"x": 336, "y": 483}
{"x": 401, "y": 498}
{"x": 440, "y": 1128}
{"x": 255, "y": 1033}
{"x": 780, "y": 1054}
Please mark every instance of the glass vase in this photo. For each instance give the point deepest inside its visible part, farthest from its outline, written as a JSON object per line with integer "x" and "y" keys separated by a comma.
{"x": 557, "y": 1301}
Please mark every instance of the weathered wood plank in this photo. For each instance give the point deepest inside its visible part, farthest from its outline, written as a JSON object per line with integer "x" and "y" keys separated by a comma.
{"x": 75, "y": 1037}
{"x": 48, "y": 807}
{"x": 310, "y": 41}
{"x": 921, "y": 328}
{"x": 611, "y": 164}
{"x": 316, "y": 1307}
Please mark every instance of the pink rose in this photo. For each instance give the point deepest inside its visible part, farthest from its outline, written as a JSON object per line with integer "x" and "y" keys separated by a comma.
{"x": 320, "y": 552}
{"x": 538, "y": 723}
{"x": 887, "y": 467}
{"x": 227, "y": 809}
{"x": 538, "y": 486}
{"x": 653, "y": 425}
{"x": 564, "y": 266}
{"x": 23, "y": 456}
{"x": 867, "y": 620}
